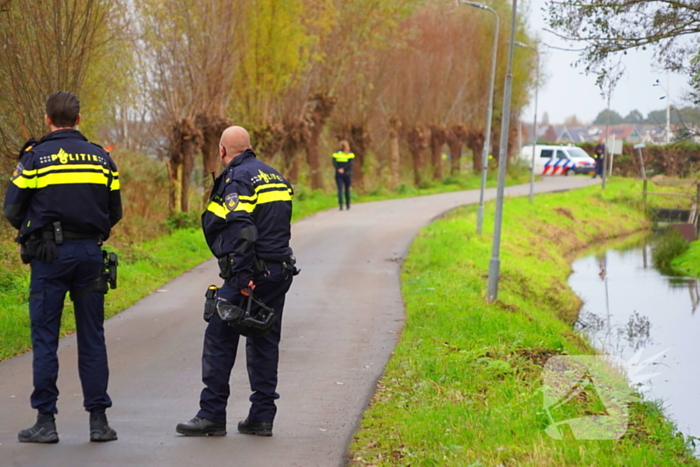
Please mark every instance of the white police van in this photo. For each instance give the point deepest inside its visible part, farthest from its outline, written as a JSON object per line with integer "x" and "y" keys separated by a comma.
{"x": 558, "y": 160}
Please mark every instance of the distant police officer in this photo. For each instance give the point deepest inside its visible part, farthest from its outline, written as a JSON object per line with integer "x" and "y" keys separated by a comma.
{"x": 342, "y": 161}
{"x": 247, "y": 225}
{"x": 599, "y": 156}
{"x": 64, "y": 199}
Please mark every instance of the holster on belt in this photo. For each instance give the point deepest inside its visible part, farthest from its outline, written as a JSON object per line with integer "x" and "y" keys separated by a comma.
{"x": 260, "y": 267}
{"x": 211, "y": 296}
{"x": 226, "y": 266}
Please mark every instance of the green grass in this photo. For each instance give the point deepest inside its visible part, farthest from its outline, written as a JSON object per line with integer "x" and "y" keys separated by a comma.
{"x": 689, "y": 262}
{"x": 464, "y": 385}
{"x": 310, "y": 202}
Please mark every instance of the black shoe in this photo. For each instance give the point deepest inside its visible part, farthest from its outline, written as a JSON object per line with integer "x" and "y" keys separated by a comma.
{"x": 100, "y": 430}
{"x": 341, "y": 208}
{"x": 250, "y": 427}
{"x": 201, "y": 427}
{"x": 44, "y": 431}
{"x": 348, "y": 207}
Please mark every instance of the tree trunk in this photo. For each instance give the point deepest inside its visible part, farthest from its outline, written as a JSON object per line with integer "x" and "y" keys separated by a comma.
{"x": 418, "y": 138}
{"x": 185, "y": 141}
{"x": 395, "y": 127}
{"x": 437, "y": 140}
{"x": 360, "y": 139}
{"x": 321, "y": 109}
{"x": 475, "y": 141}
{"x": 211, "y": 127}
{"x": 292, "y": 140}
{"x": 455, "y": 139}
{"x": 174, "y": 169}
{"x": 268, "y": 140}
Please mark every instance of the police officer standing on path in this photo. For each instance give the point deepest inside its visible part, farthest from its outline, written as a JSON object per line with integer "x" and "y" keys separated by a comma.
{"x": 64, "y": 199}
{"x": 599, "y": 155}
{"x": 342, "y": 161}
{"x": 247, "y": 226}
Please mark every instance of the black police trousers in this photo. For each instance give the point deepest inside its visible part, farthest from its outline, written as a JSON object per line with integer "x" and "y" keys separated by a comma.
{"x": 262, "y": 353}
{"x": 343, "y": 181}
{"x": 78, "y": 265}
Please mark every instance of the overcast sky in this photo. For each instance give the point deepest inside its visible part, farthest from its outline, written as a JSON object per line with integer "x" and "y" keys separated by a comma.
{"x": 566, "y": 91}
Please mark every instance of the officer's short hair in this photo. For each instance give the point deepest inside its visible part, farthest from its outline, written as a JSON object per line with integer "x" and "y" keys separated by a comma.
{"x": 63, "y": 108}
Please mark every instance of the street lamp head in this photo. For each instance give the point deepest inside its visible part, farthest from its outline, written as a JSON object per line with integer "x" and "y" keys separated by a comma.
{"x": 476, "y": 5}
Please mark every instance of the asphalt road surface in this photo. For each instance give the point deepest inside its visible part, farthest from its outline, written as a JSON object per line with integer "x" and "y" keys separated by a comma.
{"x": 343, "y": 317}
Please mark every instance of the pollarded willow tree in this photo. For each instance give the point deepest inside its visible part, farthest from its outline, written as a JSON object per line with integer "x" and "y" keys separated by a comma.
{"x": 438, "y": 84}
{"x": 269, "y": 97}
{"x": 189, "y": 51}
{"x": 360, "y": 86}
{"x": 350, "y": 32}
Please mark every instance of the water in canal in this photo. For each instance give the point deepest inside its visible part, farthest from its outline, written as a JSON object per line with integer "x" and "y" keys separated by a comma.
{"x": 629, "y": 306}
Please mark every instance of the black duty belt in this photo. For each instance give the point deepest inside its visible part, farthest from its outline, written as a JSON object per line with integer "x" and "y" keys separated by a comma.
{"x": 52, "y": 234}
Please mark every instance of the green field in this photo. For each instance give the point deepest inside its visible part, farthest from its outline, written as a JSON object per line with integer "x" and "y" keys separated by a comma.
{"x": 464, "y": 385}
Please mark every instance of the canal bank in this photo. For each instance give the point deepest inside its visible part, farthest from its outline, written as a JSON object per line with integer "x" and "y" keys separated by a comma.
{"x": 632, "y": 309}
{"x": 465, "y": 383}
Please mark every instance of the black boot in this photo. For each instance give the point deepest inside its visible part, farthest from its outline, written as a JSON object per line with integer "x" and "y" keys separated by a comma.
{"x": 250, "y": 427}
{"x": 44, "y": 431}
{"x": 199, "y": 426}
{"x": 99, "y": 429}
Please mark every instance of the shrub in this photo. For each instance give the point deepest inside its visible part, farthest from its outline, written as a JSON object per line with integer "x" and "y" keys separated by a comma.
{"x": 669, "y": 245}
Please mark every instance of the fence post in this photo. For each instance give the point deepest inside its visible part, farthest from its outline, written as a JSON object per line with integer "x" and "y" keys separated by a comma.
{"x": 697, "y": 207}
{"x": 639, "y": 148}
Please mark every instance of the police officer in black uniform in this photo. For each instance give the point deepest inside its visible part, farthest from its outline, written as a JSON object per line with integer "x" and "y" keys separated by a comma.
{"x": 64, "y": 199}
{"x": 342, "y": 161}
{"x": 247, "y": 225}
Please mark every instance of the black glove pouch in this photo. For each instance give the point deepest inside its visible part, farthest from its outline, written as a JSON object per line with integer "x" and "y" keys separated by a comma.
{"x": 46, "y": 251}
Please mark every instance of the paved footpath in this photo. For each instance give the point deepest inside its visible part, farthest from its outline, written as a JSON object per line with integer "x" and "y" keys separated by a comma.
{"x": 341, "y": 323}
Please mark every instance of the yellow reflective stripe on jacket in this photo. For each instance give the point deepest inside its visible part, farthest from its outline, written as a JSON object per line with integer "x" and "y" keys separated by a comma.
{"x": 71, "y": 167}
{"x": 281, "y": 192}
{"x": 341, "y": 156}
{"x": 270, "y": 196}
{"x": 67, "y": 175}
{"x": 244, "y": 206}
{"x": 71, "y": 178}
{"x": 24, "y": 182}
{"x": 218, "y": 209}
{"x": 270, "y": 185}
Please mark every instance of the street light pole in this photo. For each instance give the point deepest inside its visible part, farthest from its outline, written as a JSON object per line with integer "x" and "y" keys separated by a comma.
{"x": 668, "y": 107}
{"x": 534, "y": 125}
{"x": 489, "y": 113}
{"x": 495, "y": 262}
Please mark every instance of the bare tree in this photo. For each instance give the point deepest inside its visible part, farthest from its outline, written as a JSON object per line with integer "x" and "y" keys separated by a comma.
{"x": 50, "y": 49}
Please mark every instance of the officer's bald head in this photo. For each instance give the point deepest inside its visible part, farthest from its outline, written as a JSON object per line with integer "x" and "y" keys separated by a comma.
{"x": 234, "y": 140}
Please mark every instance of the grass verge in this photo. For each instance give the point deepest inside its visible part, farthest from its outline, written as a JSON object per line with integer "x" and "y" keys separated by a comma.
{"x": 689, "y": 262}
{"x": 464, "y": 385}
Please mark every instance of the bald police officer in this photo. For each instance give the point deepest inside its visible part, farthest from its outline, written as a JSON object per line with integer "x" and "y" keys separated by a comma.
{"x": 64, "y": 199}
{"x": 247, "y": 225}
